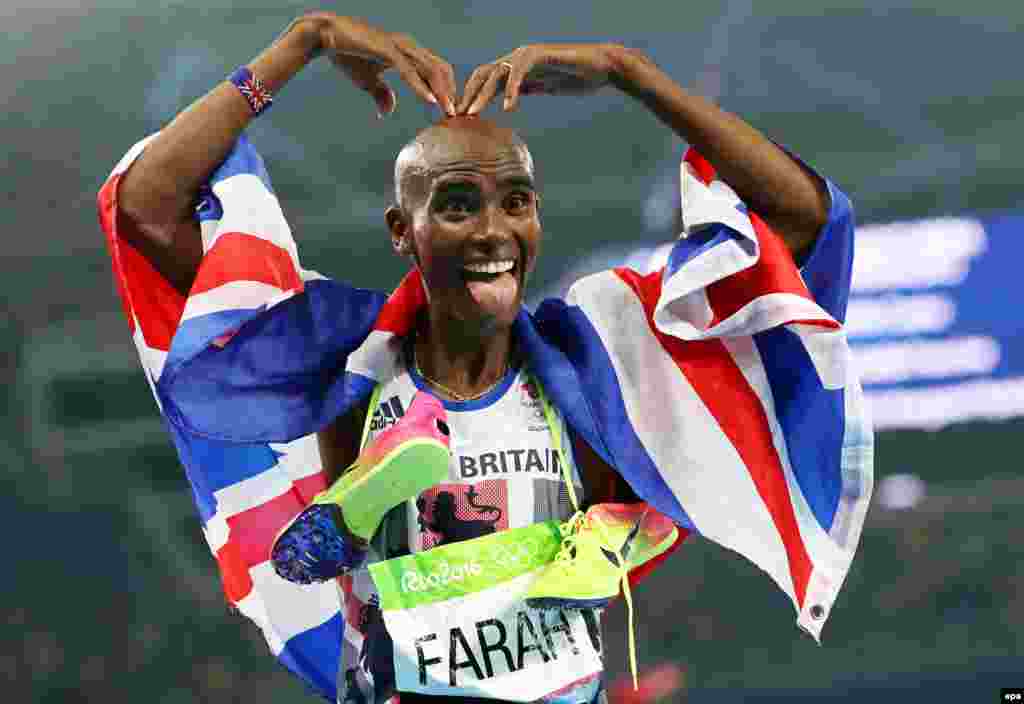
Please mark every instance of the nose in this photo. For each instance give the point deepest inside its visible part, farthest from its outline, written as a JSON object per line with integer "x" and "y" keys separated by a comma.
{"x": 494, "y": 226}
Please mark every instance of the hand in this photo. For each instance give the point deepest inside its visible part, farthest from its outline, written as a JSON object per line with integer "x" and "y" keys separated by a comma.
{"x": 552, "y": 69}
{"x": 364, "y": 52}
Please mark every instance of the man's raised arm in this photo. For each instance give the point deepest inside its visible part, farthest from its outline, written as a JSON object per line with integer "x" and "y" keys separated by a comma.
{"x": 790, "y": 198}
{"x": 159, "y": 192}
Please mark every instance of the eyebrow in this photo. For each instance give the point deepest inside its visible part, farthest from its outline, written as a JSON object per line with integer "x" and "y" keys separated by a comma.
{"x": 454, "y": 186}
{"x": 456, "y": 183}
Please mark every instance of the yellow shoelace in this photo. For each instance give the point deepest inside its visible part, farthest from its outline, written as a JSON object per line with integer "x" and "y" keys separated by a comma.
{"x": 571, "y": 529}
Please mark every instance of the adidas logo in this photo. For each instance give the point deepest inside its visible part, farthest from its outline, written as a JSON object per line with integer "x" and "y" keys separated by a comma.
{"x": 387, "y": 414}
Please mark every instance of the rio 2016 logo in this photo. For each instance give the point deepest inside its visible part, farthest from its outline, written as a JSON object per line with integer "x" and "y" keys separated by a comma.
{"x": 414, "y": 581}
{"x": 514, "y": 557}
{"x": 523, "y": 555}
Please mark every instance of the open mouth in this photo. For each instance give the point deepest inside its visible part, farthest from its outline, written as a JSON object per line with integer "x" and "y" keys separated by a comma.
{"x": 488, "y": 271}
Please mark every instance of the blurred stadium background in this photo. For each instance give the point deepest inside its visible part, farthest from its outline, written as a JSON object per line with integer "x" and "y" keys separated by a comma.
{"x": 914, "y": 108}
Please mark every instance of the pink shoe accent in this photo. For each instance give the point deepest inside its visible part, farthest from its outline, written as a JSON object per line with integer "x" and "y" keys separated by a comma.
{"x": 654, "y": 527}
{"x": 424, "y": 419}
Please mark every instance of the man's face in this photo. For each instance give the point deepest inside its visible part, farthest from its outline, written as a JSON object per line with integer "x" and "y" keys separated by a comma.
{"x": 471, "y": 221}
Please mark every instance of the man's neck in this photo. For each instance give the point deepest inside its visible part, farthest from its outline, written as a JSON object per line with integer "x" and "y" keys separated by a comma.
{"x": 464, "y": 358}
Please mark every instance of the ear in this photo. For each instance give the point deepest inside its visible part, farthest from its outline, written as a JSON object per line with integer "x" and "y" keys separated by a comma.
{"x": 400, "y": 229}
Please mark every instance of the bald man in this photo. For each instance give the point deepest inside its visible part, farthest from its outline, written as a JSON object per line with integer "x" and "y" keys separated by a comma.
{"x": 466, "y": 214}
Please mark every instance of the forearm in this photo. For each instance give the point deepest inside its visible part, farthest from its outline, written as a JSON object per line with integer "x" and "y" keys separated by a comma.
{"x": 769, "y": 181}
{"x": 162, "y": 186}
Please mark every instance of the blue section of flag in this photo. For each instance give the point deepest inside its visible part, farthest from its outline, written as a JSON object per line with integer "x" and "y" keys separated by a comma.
{"x": 206, "y": 502}
{"x": 195, "y": 334}
{"x": 209, "y": 207}
{"x": 282, "y": 375}
{"x": 211, "y": 465}
{"x": 313, "y": 655}
{"x": 226, "y": 463}
{"x": 812, "y": 419}
{"x": 828, "y": 269}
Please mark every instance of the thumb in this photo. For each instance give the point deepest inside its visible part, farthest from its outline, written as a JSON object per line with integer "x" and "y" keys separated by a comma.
{"x": 367, "y": 75}
{"x": 383, "y": 95}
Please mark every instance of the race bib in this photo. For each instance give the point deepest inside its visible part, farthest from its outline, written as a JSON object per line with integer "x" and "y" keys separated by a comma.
{"x": 460, "y": 626}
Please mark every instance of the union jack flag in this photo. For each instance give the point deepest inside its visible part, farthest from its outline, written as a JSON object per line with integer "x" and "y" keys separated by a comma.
{"x": 256, "y": 93}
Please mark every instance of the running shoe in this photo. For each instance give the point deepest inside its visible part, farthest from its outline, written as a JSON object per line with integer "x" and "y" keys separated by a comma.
{"x": 599, "y": 548}
{"x": 329, "y": 536}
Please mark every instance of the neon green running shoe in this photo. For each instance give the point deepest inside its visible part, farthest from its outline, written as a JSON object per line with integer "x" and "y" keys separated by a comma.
{"x": 587, "y": 572}
{"x": 408, "y": 458}
{"x": 403, "y": 461}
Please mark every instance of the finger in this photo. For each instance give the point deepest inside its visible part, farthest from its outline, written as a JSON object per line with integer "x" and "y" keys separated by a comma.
{"x": 513, "y": 84}
{"x": 367, "y": 75}
{"x": 385, "y": 97}
{"x": 453, "y": 89}
{"x": 435, "y": 71}
{"x": 488, "y": 89}
{"x": 411, "y": 76}
{"x": 476, "y": 80}
{"x": 441, "y": 79}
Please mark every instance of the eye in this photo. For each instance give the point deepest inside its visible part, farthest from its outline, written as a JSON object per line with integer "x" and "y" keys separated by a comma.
{"x": 517, "y": 202}
{"x": 456, "y": 204}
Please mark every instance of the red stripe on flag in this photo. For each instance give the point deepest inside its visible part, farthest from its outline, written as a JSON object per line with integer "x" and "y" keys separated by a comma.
{"x": 703, "y": 168}
{"x": 310, "y": 486}
{"x": 144, "y": 292}
{"x": 106, "y": 205}
{"x": 234, "y": 573}
{"x": 774, "y": 272}
{"x": 237, "y": 256}
{"x": 255, "y": 529}
{"x": 720, "y": 384}
{"x": 399, "y": 311}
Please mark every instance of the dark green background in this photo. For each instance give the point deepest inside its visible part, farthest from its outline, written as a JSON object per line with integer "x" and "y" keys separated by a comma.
{"x": 110, "y": 592}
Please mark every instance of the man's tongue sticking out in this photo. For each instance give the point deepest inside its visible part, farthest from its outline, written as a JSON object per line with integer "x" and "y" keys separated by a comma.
{"x": 495, "y": 295}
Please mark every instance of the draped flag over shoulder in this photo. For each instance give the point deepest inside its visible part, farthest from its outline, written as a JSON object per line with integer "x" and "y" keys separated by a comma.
{"x": 720, "y": 387}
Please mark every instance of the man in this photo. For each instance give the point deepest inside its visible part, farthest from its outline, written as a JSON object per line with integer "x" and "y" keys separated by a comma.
{"x": 691, "y": 385}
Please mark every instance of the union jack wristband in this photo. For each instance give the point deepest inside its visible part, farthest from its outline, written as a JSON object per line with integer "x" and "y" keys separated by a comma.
{"x": 252, "y": 89}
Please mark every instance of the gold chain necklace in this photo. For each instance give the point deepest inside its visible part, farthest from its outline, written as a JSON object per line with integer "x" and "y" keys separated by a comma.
{"x": 455, "y": 394}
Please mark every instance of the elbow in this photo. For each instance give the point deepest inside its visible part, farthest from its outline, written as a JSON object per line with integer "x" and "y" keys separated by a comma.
{"x": 810, "y": 221}
{"x": 152, "y": 215}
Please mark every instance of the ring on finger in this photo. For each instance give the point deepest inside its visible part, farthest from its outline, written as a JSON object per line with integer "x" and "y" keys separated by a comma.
{"x": 507, "y": 65}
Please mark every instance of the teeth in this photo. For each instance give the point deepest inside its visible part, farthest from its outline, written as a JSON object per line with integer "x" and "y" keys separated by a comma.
{"x": 491, "y": 267}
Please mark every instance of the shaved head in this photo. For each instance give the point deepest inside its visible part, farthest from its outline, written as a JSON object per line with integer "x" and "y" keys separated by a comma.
{"x": 468, "y": 217}
{"x": 446, "y": 145}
